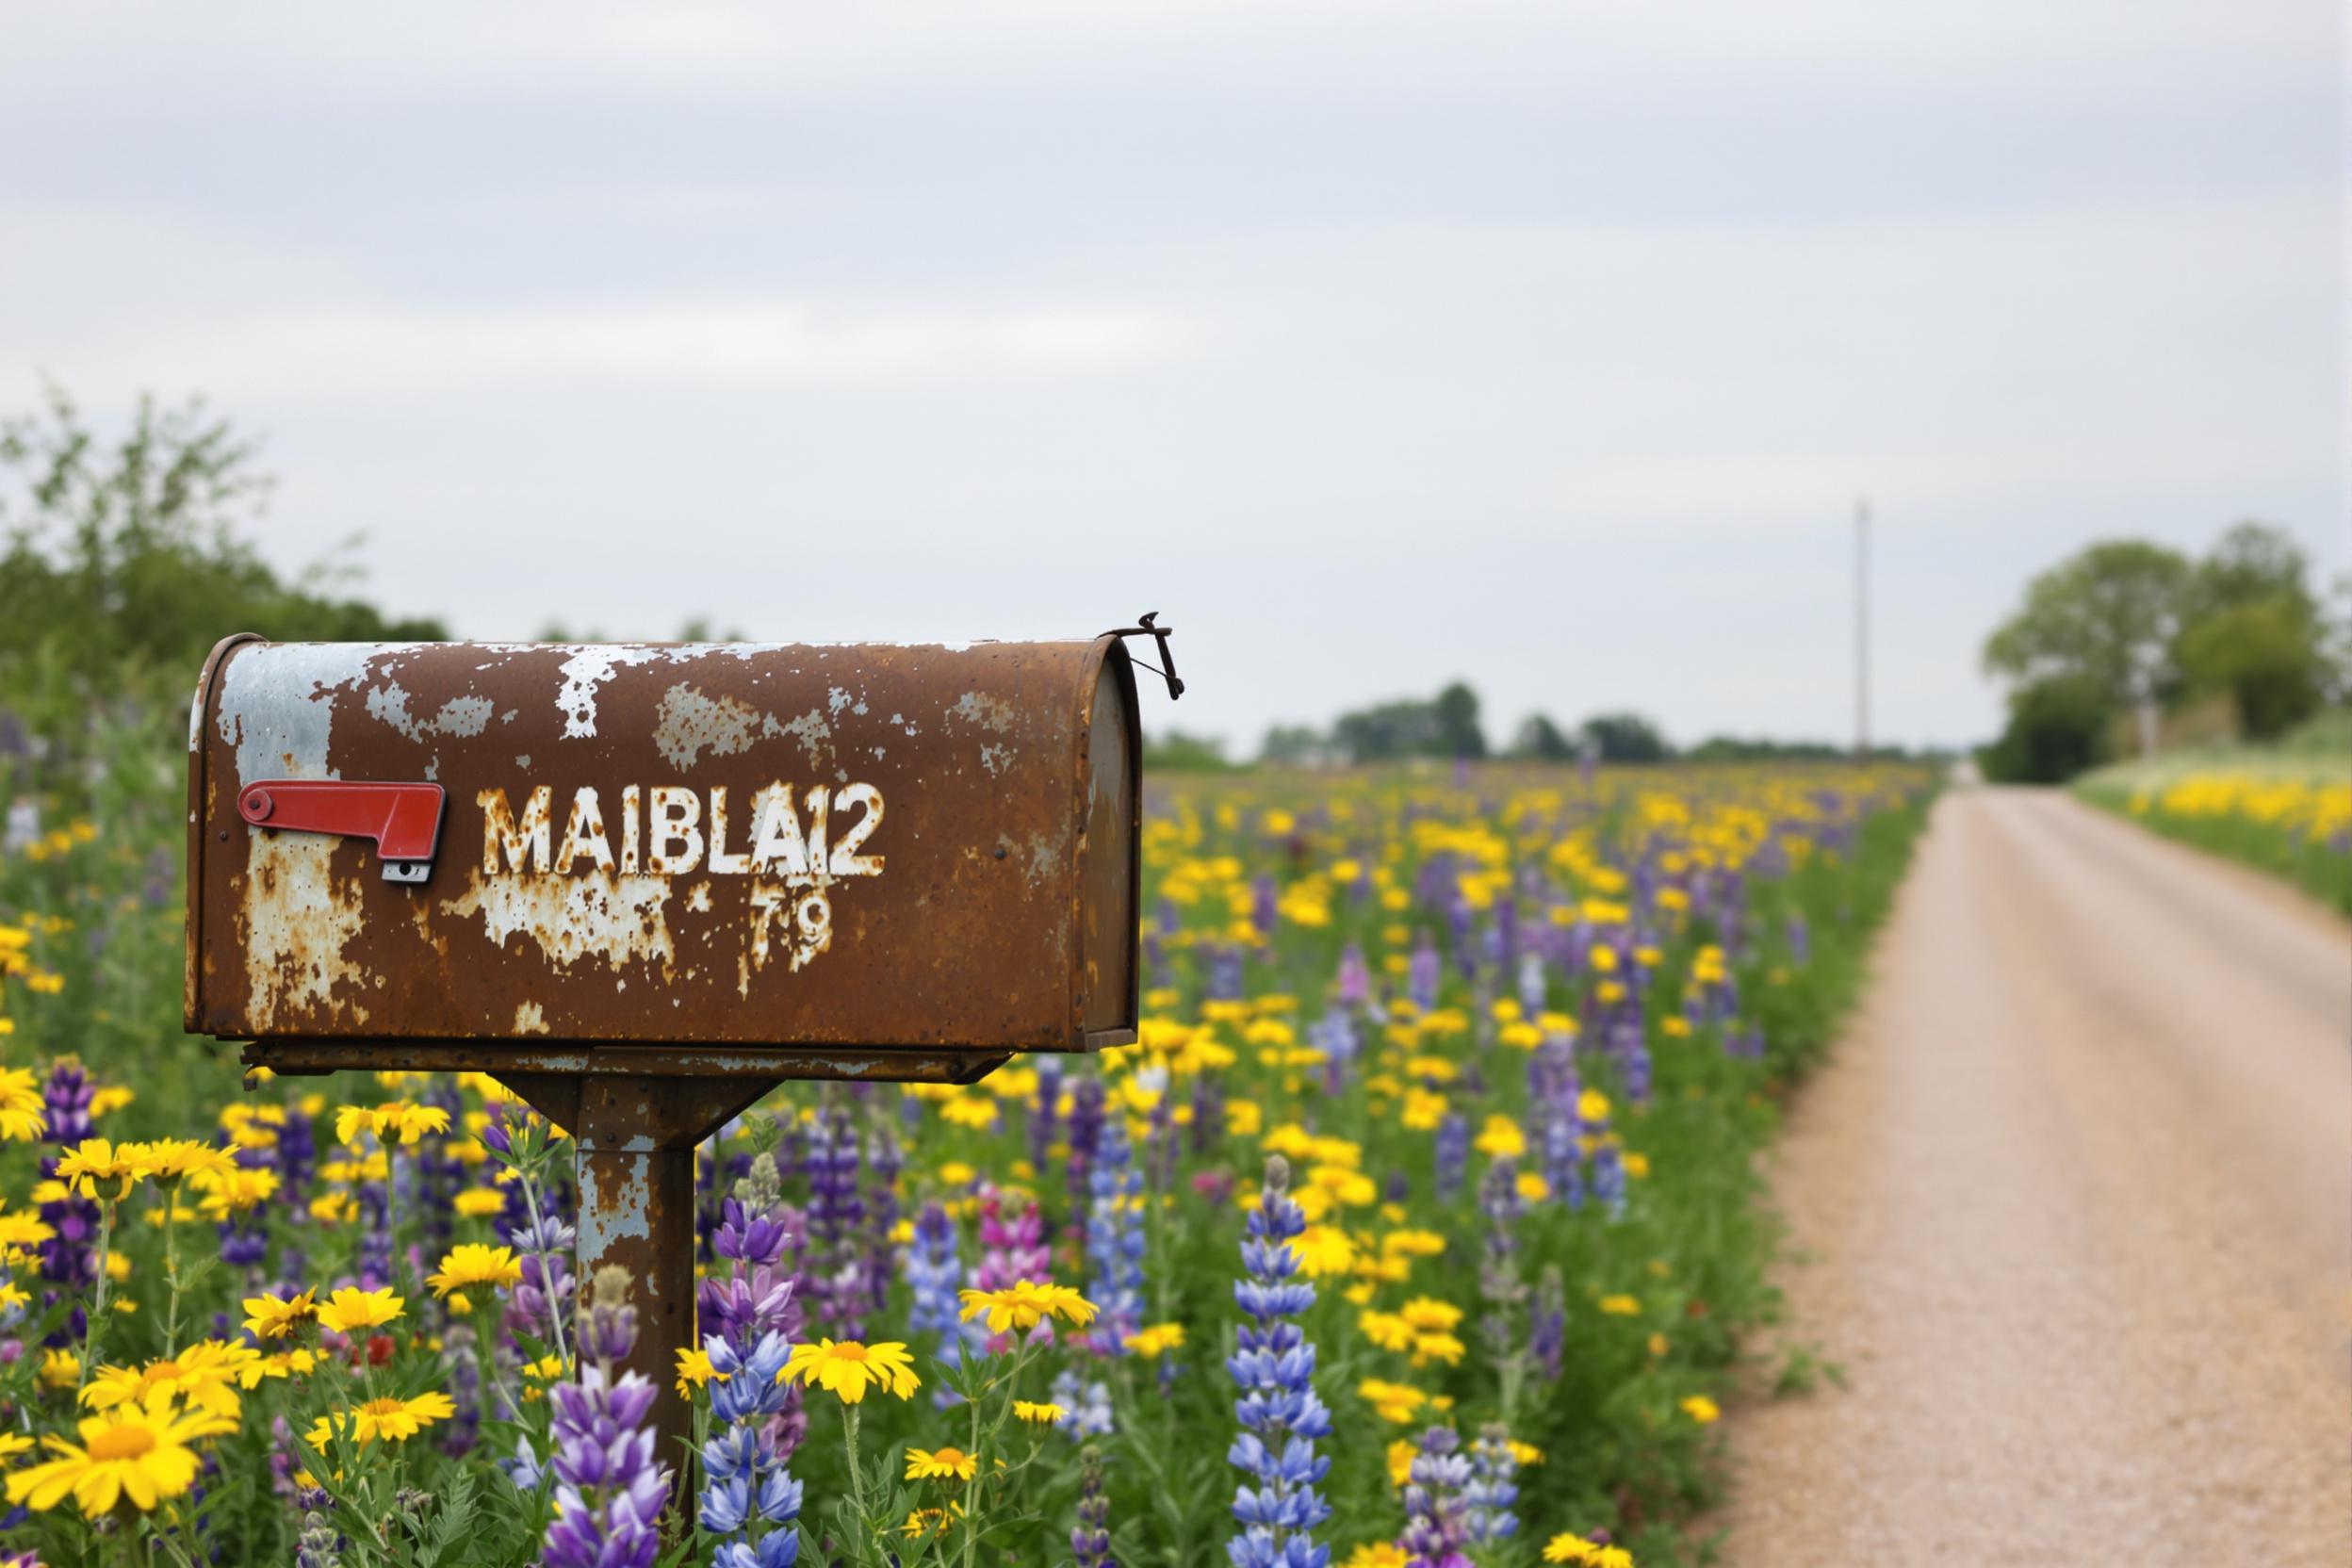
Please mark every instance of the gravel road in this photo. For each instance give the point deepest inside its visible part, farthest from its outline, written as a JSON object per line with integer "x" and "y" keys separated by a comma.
{"x": 2072, "y": 1209}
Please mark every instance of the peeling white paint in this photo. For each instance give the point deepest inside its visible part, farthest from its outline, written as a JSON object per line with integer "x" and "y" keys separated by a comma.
{"x": 583, "y": 672}
{"x": 464, "y": 716}
{"x": 459, "y": 716}
{"x": 598, "y": 915}
{"x": 985, "y": 711}
{"x": 815, "y": 735}
{"x": 297, "y": 921}
{"x": 689, "y": 722}
{"x": 277, "y": 703}
{"x": 531, "y": 1018}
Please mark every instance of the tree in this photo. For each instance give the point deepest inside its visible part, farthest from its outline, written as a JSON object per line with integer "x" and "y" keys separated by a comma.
{"x": 123, "y": 562}
{"x": 1294, "y": 744}
{"x": 1541, "y": 739}
{"x": 2252, "y": 563}
{"x": 1387, "y": 730}
{"x": 1626, "y": 738}
{"x": 2058, "y": 726}
{"x": 2266, "y": 654}
{"x": 1458, "y": 731}
{"x": 2107, "y": 616}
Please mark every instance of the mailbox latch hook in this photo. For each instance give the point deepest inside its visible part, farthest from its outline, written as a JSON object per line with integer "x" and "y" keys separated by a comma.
{"x": 1165, "y": 669}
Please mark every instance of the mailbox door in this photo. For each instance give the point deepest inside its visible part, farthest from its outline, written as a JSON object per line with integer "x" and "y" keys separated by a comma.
{"x": 743, "y": 844}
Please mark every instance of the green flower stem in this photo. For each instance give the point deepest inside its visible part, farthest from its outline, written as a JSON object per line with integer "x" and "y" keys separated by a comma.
{"x": 97, "y": 1332}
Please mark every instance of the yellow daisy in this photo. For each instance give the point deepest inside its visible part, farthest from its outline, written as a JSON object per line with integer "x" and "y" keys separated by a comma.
{"x": 172, "y": 1159}
{"x": 1023, "y": 1303}
{"x": 349, "y": 1310}
{"x": 138, "y": 1452}
{"x": 203, "y": 1374}
{"x": 940, "y": 1464}
{"x": 397, "y": 1419}
{"x": 269, "y": 1317}
{"x": 95, "y": 1160}
{"x": 472, "y": 1264}
{"x": 19, "y": 1105}
{"x": 845, "y": 1367}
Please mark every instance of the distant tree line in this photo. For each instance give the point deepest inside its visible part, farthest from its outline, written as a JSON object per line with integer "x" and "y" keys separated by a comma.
{"x": 2124, "y": 633}
{"x": 1448, "y": 725}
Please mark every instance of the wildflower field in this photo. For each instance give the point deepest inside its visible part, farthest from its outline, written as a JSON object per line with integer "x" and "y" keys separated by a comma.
{"x": 2294, "y": 822}
{"x": 1419, "y": 1226}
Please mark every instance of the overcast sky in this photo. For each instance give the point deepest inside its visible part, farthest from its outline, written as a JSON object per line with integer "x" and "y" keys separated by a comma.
{"x": 1542, "y": 343}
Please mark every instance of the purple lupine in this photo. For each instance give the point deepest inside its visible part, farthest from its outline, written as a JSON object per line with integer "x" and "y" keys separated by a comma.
{"x": 1499, "y": 1280}
{"x": 1043, "y": 1122}
{"x": 749, "y": 1498}
{"x": 1436, "y": 1528}
{"x": 1208, "y": 1111}
{"x": 70, "y": 1258}
{"x": 1085, "y": 1406}
{"x": 1608, "y": 1178}
{"x": 758, "y": 1295}
{"x": 933, "y": 1274}
{"x": 1800, "y": 939}
{"x": 296, "y": 1156}
{"x": 1085, "y": 1132}
{"x": 1547, "y": 1324}
{"x": 1421, "y": 975}
{"x": 1334, "y": 1036}
{"x": 1114, "y": 1242}
{"x": 1265, "y": 903}
{"x": 1161, "y": 1143}
{"x": 1225, "y": 974}
{"x": 539, "y": 1300}
{"x": 1488, "y": 1498}
{"x": 1451, "y": 1156}
{"x": 1563, "y": 1165}
{"x": 836, "y": 1213}
{"x": 610, "y": 1486}
{"x": 1089, "y": 1542}
{"x": 884, "y": 1161}
{"x": 1280, "y": 1413}
{"x": 464, "y": 1389}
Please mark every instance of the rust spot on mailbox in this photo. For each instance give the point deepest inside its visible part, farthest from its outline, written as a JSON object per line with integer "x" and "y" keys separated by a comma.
{"x": 810, "y": 857}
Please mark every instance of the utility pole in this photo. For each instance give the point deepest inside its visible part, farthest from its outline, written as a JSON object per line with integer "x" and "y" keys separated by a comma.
{"x": 1862, "y": 630}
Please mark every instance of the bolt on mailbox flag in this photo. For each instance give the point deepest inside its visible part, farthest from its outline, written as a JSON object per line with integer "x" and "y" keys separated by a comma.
{"x": 775, "y": 846}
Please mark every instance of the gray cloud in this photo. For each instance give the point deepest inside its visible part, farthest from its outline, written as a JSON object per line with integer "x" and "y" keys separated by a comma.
{"x": 1376, "y": 344}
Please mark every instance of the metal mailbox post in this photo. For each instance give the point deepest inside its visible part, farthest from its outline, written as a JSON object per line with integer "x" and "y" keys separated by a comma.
{"x": 643, "y": 884}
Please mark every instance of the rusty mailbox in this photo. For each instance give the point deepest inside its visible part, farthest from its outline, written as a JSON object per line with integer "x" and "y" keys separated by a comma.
{"x": 642, "y": 883}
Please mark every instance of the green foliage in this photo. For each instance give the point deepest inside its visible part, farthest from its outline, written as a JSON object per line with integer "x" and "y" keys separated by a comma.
{"x": 2136, "y": 623}
{"x": 2105, "y": 617}
{"x": 1626, "y": 738}
{"x": 1540, "y": 740}
{"x": 2057, "y": 728}
{"x": 1445, "y": 727}
{"x": 1177, "y": 752}
{"x": 124, "y": 565}
{"x": 2266, "y": 654}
